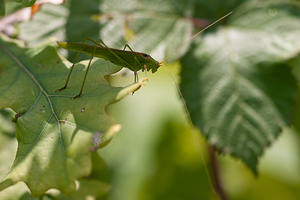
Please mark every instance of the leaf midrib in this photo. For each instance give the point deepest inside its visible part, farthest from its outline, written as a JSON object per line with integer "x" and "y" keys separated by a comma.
{"x": 22, "y": 66}
{"x": 42, "y": 90}
{"x": 236, "y": 75}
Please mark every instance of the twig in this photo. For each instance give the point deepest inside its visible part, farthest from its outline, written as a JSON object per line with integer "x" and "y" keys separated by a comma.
{"x": 216, "y": 174}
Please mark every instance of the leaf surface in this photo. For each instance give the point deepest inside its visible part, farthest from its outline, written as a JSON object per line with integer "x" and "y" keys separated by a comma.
{"x": 236, "y": 82}
{"x": 54, "y": 131}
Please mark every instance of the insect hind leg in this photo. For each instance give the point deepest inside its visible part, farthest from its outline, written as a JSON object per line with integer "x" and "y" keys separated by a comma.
{"x": 75, "y": 61}
{"x": 97, "y": 42}
{"x": 126, "y": 45}
{"x": 136, "y": 77}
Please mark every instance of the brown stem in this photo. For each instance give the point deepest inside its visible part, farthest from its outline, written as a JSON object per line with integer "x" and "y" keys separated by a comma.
{"x": 216, "y": 173}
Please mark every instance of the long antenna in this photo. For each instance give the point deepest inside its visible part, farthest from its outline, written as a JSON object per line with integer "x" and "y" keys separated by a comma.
{"x": 189, "y": 119}
{"x": 185, "y": 106}
{"x": 196, "y": 35}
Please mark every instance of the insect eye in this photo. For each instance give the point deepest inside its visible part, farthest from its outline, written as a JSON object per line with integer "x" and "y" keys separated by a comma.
{"x": 145, "y": 55}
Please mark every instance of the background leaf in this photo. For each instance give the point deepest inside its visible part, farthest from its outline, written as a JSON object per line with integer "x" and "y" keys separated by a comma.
{"x": 157, "y": 29}
{"x": 26, "y": 3}
{"x": 232, "y": 78}
{"x": 209, "y": 10}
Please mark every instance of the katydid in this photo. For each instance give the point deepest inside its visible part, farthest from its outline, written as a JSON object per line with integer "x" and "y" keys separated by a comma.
{"x": 130, "y": 59}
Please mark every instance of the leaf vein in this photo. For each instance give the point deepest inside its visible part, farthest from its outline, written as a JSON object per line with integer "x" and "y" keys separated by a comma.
{"x": 24, "y": 68}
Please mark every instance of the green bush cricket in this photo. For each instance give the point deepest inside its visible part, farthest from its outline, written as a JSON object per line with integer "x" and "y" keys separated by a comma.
{"x": 135, "y": 61}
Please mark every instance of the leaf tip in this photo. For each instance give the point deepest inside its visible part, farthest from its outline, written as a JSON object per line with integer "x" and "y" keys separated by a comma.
{"x": 100, "y": 140}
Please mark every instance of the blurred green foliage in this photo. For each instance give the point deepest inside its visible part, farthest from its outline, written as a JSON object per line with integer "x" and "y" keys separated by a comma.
{"x": 157, "y": 155}
{"x": 143, "y": 169}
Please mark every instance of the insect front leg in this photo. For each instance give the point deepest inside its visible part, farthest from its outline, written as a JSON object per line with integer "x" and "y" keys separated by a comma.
{"x": 85, "y": 75}
{"x": 136, "y": 77}
{"x": 145, "y": 68}
{"x": 126, "y": 45}
{"x": 70, "y": 72}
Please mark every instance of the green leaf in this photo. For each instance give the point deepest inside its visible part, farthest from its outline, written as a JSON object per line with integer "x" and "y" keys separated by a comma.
{"x": 8, "y": 147}
{"x": 156, "y": 28}
{"x": 54, "y": 131}
{"x": 8, "y": 143}
{"x": 88, "y": 187}
{"x": 209, "y": 10}
{"x": 236, "y": 83}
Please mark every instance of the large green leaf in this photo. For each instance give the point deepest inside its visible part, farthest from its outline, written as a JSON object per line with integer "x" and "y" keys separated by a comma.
{"x": 236, "y": 84}
{"x": 54, "y": 131}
